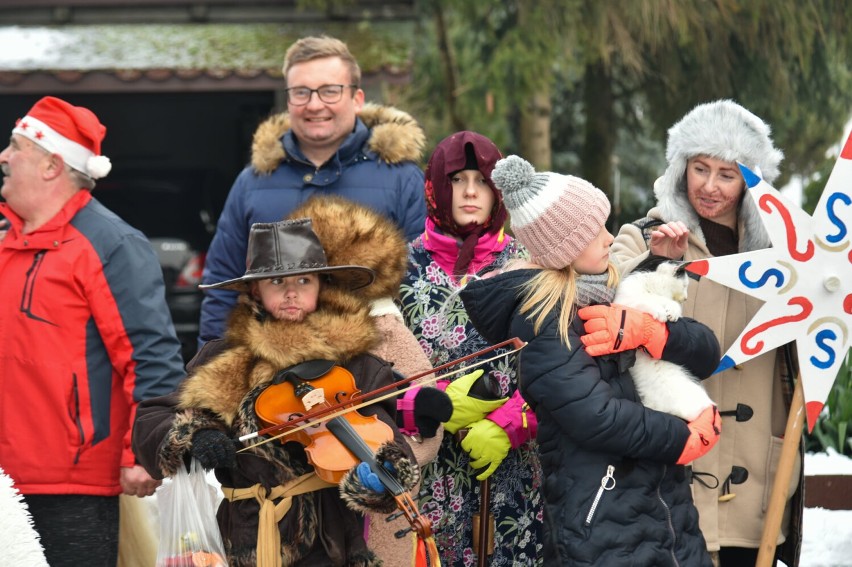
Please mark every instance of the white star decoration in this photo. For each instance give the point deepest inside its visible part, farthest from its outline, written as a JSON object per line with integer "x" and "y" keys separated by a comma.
{"x": 805, "y": 280}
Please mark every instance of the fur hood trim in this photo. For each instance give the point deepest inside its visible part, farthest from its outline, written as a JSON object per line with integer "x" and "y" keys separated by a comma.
{"x": 340, "y": 329}
{"x": 724, "y": 130}
{"x": 352, "y": 233}
{"x": 396, "y": 137}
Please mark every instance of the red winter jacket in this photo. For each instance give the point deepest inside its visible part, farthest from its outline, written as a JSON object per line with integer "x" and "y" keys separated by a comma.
{"x": 85, "y": 334}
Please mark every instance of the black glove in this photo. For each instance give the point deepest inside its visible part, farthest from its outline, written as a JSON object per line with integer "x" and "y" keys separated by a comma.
{"x": 213, "y": 449}
{"x": 429, "y": 407}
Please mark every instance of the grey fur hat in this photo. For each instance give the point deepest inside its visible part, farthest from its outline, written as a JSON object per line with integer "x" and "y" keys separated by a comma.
{"x": 723, "y": 130}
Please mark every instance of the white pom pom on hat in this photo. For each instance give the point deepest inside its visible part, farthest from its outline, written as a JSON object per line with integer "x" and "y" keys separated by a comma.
{"x": 98, "y": 166}
{"x": 554, "y": 216}
{"x": 74, "y": 132}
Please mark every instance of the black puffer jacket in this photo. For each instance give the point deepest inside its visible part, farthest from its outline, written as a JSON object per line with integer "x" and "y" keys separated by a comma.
{"x": 590, "y": 421}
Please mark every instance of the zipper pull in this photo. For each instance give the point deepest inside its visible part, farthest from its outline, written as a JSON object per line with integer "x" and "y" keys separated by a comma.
{"x": 620, "y": 336}
{"x": 605, "y": 485}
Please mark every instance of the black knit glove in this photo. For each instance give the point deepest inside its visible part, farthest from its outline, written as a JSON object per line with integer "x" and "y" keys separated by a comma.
{"x": 429, "y": 408}
{"x": 213, "y": 449}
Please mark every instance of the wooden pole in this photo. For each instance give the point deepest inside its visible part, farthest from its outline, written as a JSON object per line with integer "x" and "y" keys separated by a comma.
{"x": 484, "y": 522}
{"x": 778, "y": 497}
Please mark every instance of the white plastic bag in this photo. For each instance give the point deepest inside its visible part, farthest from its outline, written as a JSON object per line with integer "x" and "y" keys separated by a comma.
{"x": 189, "y": 534}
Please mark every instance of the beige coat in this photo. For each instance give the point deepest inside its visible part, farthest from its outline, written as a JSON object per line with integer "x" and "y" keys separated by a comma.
{"x": 754, "y": 444}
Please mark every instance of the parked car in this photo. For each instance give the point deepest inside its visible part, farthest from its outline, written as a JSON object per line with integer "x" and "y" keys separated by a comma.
{"x": 177, "y": 212}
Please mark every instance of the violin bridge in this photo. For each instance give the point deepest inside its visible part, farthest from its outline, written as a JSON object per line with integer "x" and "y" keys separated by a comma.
{"x": 314, "y": 397}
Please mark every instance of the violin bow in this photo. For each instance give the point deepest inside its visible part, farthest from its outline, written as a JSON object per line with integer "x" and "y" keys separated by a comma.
{"x": 312, "y": 419}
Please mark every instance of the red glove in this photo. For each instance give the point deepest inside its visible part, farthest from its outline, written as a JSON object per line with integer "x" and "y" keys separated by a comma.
{"x": 615, "y": 328}
{"x": 704, "y": 432}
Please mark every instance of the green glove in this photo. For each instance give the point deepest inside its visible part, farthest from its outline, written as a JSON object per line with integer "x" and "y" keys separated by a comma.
{"x": 488, "y": 445}
{"x": 467, "y": 409}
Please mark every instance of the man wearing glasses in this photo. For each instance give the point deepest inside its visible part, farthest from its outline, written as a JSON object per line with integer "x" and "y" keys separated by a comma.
{"x": 328, "y": 142}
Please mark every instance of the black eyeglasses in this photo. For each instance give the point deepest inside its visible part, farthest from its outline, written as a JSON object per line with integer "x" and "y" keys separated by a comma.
{"x": 329, "y": 94}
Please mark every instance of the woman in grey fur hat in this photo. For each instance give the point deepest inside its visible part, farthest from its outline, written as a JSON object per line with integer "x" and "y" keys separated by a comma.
{"x": 702, "y": 212}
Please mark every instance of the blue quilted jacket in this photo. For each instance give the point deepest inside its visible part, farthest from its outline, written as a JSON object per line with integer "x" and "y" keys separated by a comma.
{"x": 376, "y": 166}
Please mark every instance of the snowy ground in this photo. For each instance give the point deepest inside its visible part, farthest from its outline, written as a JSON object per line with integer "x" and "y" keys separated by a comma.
{"x": 827, "y": 533}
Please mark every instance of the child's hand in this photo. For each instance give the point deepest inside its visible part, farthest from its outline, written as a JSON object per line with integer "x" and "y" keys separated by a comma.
{"x": 213, "y": 449}
{"x": 704, "y": 432}
{"x": 616, "y": 328}
{"x": 488, "y": 444}
{"x": 422, "y": 411}
{"x": 370, "y": 479}
{"x": 468, "y": 409}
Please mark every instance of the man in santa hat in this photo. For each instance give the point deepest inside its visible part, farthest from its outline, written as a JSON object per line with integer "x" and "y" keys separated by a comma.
{"x": 85, "y": 335}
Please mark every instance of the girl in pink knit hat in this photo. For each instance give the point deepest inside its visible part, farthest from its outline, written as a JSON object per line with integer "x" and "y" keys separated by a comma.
{"x": 463, "y": 241}
{"x": 615, "y": 491}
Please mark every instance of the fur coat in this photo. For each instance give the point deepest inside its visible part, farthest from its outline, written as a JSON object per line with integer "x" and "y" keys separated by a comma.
{"x": 355, "y": 234}
{"x": 221, "y": 393}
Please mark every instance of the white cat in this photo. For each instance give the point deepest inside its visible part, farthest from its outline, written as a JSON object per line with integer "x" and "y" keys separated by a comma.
{"x": 658, "y": 286}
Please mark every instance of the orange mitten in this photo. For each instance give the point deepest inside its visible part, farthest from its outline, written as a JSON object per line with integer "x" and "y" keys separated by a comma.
{"x": 615, "y": 328}
{"x": 704, "y": 432}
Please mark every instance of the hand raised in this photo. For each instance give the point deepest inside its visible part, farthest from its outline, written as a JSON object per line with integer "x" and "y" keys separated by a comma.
{"x": 670, "y": 240}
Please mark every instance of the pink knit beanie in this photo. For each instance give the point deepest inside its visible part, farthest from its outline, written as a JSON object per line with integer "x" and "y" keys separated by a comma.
{"x": 554, "y": 216}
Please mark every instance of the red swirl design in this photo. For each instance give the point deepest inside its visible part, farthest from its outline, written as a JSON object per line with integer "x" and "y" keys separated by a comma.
{"x": 807, "y": 308}
{"x": 765, "y": 203}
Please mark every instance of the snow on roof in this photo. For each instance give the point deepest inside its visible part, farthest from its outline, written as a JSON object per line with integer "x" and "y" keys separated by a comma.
{"x": 378, "y": 46}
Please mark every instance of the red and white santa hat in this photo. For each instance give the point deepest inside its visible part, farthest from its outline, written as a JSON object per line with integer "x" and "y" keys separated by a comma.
{"x": 71, "y": 131}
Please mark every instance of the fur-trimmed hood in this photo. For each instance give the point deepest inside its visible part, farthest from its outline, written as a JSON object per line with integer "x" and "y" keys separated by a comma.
{"x": 396, "y": 137}
{"x": 723, "y": 130}
{"x": 352, "y": 233}
{"x": 338, "y": 330}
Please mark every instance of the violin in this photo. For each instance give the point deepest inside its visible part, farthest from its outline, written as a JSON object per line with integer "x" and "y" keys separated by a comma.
{"x": 359, "y": 401}
{"x": 326, "y": 444}
{"x": 336, "y": 445}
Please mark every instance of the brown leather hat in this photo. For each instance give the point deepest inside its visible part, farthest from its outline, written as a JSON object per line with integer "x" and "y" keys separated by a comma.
{"x": 290, "y": 248}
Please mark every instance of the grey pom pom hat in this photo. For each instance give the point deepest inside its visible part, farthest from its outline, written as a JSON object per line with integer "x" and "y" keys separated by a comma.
{"x": 290, "y": 248}
{"x": 554, "y": 216}
{"x": 723, "y": 130}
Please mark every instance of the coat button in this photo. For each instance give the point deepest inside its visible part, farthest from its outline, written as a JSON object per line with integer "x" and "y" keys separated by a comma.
{"x": 55, "y": 243}
{"x": 26, "y": 242}
{"x": 307, "y": 178}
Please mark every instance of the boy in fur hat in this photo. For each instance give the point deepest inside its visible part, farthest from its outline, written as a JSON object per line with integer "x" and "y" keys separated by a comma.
{"x": 356, "y": 234}
{"x": 702, "y": 211}
{"x": 293, "y": 308}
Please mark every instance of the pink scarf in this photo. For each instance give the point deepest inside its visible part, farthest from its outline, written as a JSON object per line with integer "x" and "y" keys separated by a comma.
{"x": 445, "y": 249}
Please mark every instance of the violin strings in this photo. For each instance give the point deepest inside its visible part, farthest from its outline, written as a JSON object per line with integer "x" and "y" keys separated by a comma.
{"x": 344, "y": 411}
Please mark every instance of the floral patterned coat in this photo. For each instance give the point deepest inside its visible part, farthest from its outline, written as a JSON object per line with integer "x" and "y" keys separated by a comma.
{"x": 437, "y": 318}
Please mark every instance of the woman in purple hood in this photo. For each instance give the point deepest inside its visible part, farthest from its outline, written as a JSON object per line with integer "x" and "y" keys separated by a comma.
{"x": 464, "y": 240}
